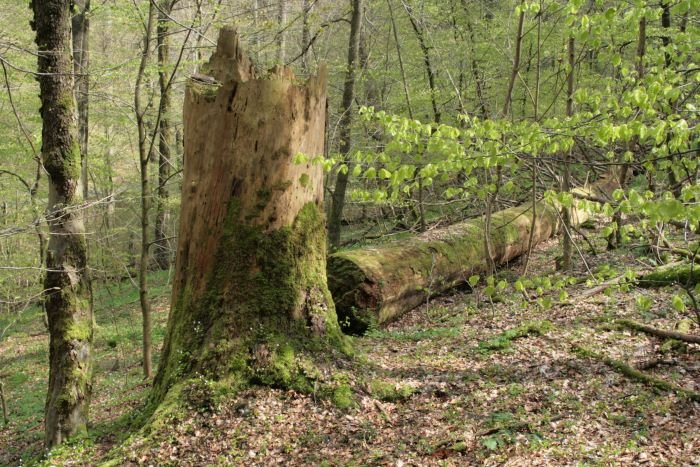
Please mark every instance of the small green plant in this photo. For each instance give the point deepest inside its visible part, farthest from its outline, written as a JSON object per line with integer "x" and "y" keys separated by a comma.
{"x": 503, "y": 341}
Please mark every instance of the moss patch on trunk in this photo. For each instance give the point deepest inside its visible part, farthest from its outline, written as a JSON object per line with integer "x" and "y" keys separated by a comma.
{"x": 265, "y": 315}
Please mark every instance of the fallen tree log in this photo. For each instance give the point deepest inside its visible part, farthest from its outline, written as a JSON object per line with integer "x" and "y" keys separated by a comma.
{"x": 378, "y": 284}
{"x": 680, "y": 336}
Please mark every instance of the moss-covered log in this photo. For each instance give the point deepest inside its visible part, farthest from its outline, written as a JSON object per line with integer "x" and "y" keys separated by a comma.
{"x": 250, "y": 301}
{"x": 685, "y": 274}
{"x": 377, "y": 284}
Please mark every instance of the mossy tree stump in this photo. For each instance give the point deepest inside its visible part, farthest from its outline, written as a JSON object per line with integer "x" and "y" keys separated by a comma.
{"x": 250, "y": 301}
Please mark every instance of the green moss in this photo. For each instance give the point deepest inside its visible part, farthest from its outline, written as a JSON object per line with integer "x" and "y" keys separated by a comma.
{"x": 208, "y": 91}
{"x": 342, "y": 396}
{"x": 79, "y": 330}
{"x": 389, "y": 392}
{"x": 304, "y": 180}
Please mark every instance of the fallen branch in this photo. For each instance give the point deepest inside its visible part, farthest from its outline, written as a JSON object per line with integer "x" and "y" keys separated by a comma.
{"x": 659, "y": 277}
{"x": 681, "y": 336}
{"x": 637, "y": 375}
{"x": 4, "y": 405}
{"x": 654, "y": 363}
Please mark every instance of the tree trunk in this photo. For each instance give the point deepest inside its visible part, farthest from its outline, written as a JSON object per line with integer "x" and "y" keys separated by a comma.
{"x": 306, "y": 7}
{"x": 144, "y": 157}
{"x": 516, "y": 62}
{"x": 567, "y": 241}
{"x": 250, "y": 300}
{"x": 378, "y": 284}
{"x": 81, "y": 54}
{"x": 345, "y": 126}
{"x": 282, "y": 34}
{"x": 161, "y": 247}
{"x": 68, "y": 299}
{"x": 429, "y": 69}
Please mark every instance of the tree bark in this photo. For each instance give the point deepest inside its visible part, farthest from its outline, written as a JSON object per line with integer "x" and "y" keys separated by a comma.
{"x": 69, "y": 298}
{"x": 375, "y": 285}
{"x": 345, "y": 126}
{"x": 161, "y": 247}
{"x": 249, "y": 298}
{"x": 81, "y": 60}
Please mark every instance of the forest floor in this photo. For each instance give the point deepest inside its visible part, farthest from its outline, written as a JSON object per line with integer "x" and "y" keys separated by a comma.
{"x": 459, "y": 381}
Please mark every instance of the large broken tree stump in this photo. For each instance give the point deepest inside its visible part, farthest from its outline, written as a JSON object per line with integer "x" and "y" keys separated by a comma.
{"x": 250, "y": 301}
{"x": 378, "y": 284}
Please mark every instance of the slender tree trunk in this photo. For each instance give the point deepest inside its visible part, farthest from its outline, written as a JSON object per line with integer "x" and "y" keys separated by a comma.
{"x": 81, "y": 60}
{"x": 144, "y": 157}
{"x": 345, "y": 125}
{"x": 478, "y": 77}
{"x": 676, "y": 188}
{"x": 615, "y": 238}
{"x": 282, "y": 34}
{"x": 516, "y": 62}
{"x": 256, "y": 20}
{"x": 250, "y": 301}
{"x": 305, "y": 34}
{"x": 666, "y": 25}
{"x": 429, "y": 69}
{"x": 165, "y": 139}
{"x": 567, "y": 241}
{"x": 406, "y": 92}
{"x": 68, "y": 299}
{"x": 492, "y": 196}
{"x": 536, "y": 111}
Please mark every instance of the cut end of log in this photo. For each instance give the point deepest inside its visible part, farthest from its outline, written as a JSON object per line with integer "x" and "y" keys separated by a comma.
{"x": 357, "y": 298}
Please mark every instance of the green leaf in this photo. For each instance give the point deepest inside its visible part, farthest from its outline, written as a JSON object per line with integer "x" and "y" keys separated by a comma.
{"x": 490, "y": 442}
{"x": 678, "y": 303}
